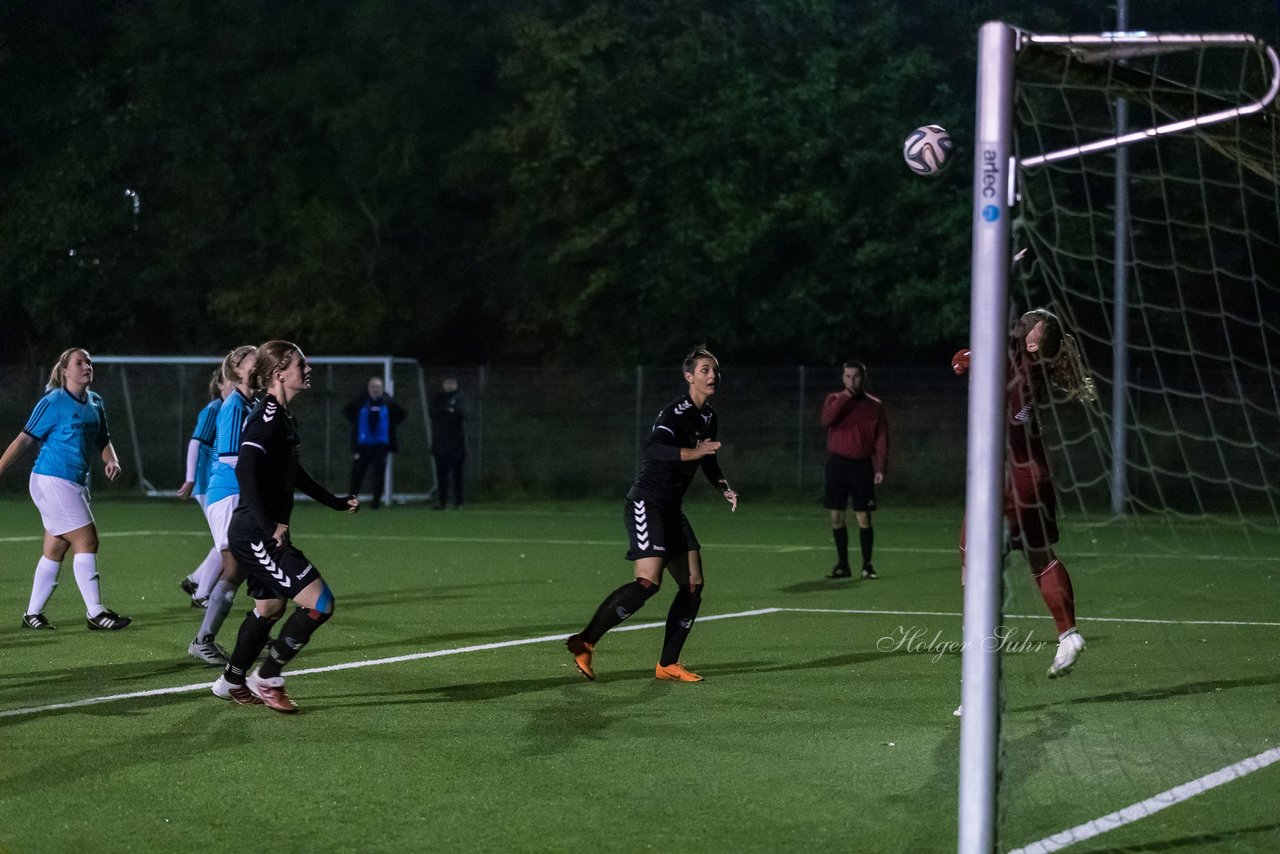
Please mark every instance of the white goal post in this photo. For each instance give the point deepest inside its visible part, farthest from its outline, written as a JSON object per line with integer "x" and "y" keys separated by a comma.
{"x": 152, "y": 402}
{"x": 997, "y": 176}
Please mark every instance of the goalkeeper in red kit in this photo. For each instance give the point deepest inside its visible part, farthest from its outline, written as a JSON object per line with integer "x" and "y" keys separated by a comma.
{"x": 1043, "y": 360}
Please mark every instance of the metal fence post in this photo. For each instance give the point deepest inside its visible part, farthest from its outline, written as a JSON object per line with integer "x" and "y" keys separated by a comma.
{"x": 639, "y": 415}
{"x": 483, "y": 385}
{"x": 328, "y": 422}
{"x": 800, "y": 429}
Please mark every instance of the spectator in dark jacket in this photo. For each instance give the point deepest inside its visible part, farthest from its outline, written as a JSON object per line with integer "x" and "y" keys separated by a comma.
{"x": 448, "y": 410}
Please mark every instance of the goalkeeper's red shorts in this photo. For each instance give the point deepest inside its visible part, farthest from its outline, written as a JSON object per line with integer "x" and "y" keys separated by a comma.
{"x": 1031, "y": 509}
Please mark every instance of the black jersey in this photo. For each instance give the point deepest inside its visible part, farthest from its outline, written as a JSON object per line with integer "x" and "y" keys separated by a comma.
{"x": 268, "y": 470}
{"x": 663, "y": 476}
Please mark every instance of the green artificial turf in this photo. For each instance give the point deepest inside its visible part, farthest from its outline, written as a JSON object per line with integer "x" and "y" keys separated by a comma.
{"x": 815, "y": 729}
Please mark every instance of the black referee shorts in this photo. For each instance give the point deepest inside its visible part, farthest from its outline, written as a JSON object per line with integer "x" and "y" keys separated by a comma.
{"x": 849, "y": 482}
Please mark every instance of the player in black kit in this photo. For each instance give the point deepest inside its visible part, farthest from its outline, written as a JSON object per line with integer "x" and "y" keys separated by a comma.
{"x": 268, "y": 471}
{"x": 660, "y": 536}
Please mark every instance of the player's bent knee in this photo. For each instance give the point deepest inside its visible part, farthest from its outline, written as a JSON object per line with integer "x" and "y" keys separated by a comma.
{"x": 319, "y": 618}
{"x": 324, "y": 602}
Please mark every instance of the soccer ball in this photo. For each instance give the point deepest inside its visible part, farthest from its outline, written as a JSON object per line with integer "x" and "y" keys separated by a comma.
{"x": 928, "y": 150}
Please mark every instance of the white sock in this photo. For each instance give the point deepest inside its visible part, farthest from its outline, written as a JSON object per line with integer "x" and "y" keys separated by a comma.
{"x": 206, "y": 574}
{"x": 86, "y": 569}
{"x": 224, "y": 593}
{"x": 42, "y": 585}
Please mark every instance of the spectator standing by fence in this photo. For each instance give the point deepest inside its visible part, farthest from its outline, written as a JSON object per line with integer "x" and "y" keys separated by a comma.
{"x": 374, "y": 417}
{"x": 448, "y": 410}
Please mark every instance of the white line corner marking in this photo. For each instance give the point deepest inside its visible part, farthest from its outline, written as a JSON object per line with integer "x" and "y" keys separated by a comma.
{"x": 1151, "y": 805}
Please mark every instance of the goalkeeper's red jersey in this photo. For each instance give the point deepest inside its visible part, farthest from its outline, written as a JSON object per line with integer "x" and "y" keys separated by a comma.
{"x": 1027, "y": 454}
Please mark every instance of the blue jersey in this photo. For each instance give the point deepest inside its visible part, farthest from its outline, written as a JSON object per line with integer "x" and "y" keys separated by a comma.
{"x": 226, "y": 445}
{"x": 68, "y": 430}
{"x": 205, "y": 432}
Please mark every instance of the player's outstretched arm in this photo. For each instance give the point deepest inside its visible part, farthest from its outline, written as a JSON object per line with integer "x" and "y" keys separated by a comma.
{"x": 310, "y": 487}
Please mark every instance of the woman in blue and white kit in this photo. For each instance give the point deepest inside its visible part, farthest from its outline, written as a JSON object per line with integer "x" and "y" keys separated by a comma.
{"x": 222, "y": 499}
{"x": 68, "y": 424}
{"x": 199, "y": 582}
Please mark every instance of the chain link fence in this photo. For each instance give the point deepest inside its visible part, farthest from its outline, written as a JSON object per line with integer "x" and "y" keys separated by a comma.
{"x": 539, "y": 433}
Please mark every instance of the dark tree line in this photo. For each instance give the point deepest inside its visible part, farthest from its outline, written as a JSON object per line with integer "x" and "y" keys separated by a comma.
{"x": 518, "y": 182}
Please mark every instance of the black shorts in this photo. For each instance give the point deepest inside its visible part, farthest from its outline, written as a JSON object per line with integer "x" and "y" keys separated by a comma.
{"x": 271, "y": 571}
{"x": 656, "y": 530}
{"x": 849, "y": 482}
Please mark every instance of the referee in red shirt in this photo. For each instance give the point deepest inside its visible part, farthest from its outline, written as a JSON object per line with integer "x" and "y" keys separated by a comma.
{"x": 857, "y": 455}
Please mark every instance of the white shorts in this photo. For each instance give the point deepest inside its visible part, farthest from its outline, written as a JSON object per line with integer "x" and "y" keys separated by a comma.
{"x": 219, "y": 515}
{"x": 63, "y": 504}
{"x": 203, "y": 500}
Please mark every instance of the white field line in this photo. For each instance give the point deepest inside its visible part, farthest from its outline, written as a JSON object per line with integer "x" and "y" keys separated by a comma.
{"x": 416, "y": 656}
{"x": 1086, "y": 620}
{"x": 757, "y": 547}
{"x": 1055, "y": 842}
{"x": 351, "y": 665}
{"x": 1151, "y": 805}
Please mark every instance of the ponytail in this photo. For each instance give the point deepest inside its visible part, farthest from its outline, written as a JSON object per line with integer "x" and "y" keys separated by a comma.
{"x": 57, "y": 377}
{"x": 231, "y": 364}
{"x": 1067, "y": 373}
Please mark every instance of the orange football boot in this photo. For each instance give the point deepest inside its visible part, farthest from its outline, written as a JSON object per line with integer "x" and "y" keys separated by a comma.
{"x": 581, "y": 652}
{"x": 676, "y": 673}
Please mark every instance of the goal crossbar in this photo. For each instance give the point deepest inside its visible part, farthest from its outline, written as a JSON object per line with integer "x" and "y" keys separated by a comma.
{"x": 1114, "y": 46}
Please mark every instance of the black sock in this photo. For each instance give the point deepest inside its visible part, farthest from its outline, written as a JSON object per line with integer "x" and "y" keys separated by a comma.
{"x": 292, "y": 638}
{"x": 252, "y": 637}
{"x": 617, "y": 606}
{"x": 842, "y": 545}
{"x": 684, "y": 609}
{"x": 866, "y": 536}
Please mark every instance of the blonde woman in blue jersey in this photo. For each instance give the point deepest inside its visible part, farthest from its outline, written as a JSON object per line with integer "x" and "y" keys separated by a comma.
{"x": 222, "y": 499}
{"x": 199, "y": 582}
{"x": 68, "y": 425}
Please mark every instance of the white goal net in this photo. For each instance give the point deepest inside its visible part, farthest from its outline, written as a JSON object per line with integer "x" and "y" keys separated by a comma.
{"x": 1140, "y": 174}
{"x": 1172, "y": 286}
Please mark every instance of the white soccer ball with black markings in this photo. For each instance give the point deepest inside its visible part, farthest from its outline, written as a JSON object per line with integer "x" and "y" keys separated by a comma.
{"x": 928, "y": 150}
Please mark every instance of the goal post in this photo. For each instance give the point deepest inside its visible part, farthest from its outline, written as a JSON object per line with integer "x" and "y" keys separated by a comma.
{"x": 1194, "y": 387}
{"x": 984, "y": 490}
{"x": 152, "y": 402}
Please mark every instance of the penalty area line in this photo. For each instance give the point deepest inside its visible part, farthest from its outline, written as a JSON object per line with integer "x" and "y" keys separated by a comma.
{"x": 353, "y": 665}
{"x": 1151, "y": 805}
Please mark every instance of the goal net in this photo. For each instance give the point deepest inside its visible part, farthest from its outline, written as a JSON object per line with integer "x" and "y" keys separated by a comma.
{"x": 153, "y": 401}
{"x": 1188, "y": 422}
{"x": 1141, "y": 174}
